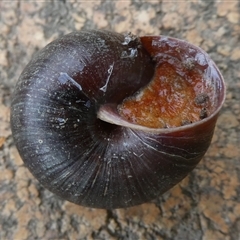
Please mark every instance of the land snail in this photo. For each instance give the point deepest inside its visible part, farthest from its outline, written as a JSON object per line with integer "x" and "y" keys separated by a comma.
{"x": 108, "y": 120}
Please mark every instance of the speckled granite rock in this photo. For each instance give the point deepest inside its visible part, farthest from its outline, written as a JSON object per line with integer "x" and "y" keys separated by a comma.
{"x": 205, "y": 205}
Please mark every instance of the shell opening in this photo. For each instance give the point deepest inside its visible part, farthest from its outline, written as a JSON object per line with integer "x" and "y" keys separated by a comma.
{"x": 185, "y": 89}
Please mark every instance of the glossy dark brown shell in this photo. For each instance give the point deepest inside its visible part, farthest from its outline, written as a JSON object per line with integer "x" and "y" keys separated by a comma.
{"x": 62, "y": 119}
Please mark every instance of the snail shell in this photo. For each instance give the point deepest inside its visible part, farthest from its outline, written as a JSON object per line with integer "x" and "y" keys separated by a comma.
{"x": 68, "y": 130}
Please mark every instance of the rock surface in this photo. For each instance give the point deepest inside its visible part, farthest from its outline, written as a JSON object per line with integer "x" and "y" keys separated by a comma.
{"x": 205, "y": 205}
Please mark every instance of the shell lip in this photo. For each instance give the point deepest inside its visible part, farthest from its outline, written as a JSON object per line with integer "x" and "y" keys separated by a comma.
{"x": 108, "y": 113}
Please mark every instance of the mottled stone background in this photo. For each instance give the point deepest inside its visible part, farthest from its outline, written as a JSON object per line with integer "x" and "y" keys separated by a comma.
{"x": 206, "y": 205}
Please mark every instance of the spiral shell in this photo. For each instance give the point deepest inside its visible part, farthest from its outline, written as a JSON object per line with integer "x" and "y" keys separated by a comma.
{"x": 68, "y": 130}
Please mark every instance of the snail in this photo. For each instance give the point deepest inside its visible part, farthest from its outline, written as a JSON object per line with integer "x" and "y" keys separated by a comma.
{"x": 108, "y": 120}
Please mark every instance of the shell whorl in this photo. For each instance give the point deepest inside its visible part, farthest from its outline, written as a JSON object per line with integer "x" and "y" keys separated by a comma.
{"x": 66, "y": 145}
